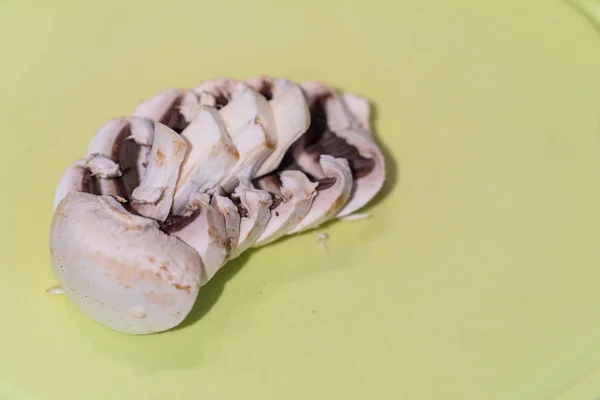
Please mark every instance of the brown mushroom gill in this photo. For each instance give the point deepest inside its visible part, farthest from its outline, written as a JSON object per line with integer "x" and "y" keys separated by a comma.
{"x": 88, "y": 183}
{"x": 319, "y": 139}
{"x": 266, "y": 89}
{"x": 126, "y": 153}
{"x": 173, "y": 118}
{"x": 175, "y": 223}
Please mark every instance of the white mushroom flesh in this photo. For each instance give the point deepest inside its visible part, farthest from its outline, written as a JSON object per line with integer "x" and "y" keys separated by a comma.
{"x": 331, "y": 200}
{"x": 249, "y": 121}
{"x": 290, "y": 114}
{"x": 209, "y": 157}
{"x": 206, "y": 233}
{"x": 257, "y": 213}
{"x": 153, "y": 197}
{"x": 297, "y": 194}
{"x": 232, "y": 219}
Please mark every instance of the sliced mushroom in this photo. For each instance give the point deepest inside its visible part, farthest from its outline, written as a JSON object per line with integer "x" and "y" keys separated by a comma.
{"x": 360, "y": 109}
{"x": 75, "y": 178}
{"x": 209, "y": 157}
{"x": 102, "y": 166}
{"x": 119, "y": 268}
{"x": 332, "y": 198}
{"x": 153, "y": 197}
{"x": 249, "y": 122}
{"x": 174, "y": 108}
{"x": 218, "y": 89}
{"x": 256, "y": 214}
{"x": 290, "y": 114}
{"x": 163, "y": 199}
{"x": 205, "y": 233}
{"x": 157, "y": 107}
{"x": 296, "y": 193}
{"x": 138, "y": 146}
{"x": 232, "y": 218}
{"x": 335, "y": 131}
{"x": 126, "y": 142}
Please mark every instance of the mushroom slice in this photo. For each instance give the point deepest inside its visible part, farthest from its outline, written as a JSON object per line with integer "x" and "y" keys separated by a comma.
{"x": 360, "y": 109}
{"x": 335, "y": 131}
{"x": 137, "y": 146}
{"x": 210, "y": 155}
{"x": 297, "y": 193}
{"x": 249, "y": 121}
{"x": 153, "y": 197}
{"x": 107, "y": 142}
{"x": 232, "y": 218}
{"x": 290, "y": 114}
{"x": 157, "y": 107}
{"x": 175, "y": 107}
{"x": 75, "y": 178}
{"x": 218, "y": 89}
{"x": 126, "y": 142}
{"x": 331, "y": 197}
{"x": 206, "y": 233}
{"x": 119, "y": 268}
{"x": 255, "y": 205}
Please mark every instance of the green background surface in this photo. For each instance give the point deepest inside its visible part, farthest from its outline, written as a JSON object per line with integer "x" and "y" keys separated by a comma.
{"x": 477, "y": 275}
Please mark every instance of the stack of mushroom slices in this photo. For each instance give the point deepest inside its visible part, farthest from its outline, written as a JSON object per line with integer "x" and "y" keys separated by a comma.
{"x": 165, "y": 197}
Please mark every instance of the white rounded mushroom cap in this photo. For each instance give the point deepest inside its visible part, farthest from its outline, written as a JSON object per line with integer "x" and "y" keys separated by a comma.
{"x": 121, "y": 269}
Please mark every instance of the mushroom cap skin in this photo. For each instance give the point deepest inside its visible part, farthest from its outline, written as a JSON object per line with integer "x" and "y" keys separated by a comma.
{"x": 157, "y": 106}
{"x": 119, "y": 268}
{"x": 75, "y": 177}
{"x": 218, "y": 88}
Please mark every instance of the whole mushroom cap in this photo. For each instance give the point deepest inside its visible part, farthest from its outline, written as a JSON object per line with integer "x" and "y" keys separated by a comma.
{"x": 120, "y": 268}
